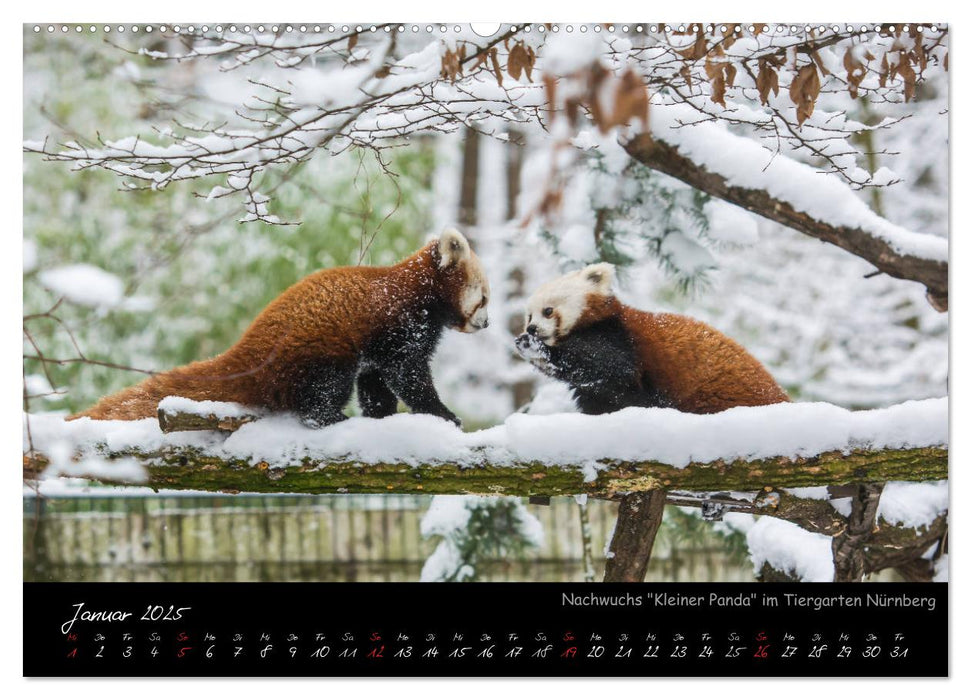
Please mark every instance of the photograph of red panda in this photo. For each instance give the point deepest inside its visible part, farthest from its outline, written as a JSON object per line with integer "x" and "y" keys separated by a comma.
{"x": 544, "y": 302}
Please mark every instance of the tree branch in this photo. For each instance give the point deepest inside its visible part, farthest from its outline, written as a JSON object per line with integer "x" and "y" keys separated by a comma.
{"x": 659, "y": 155}
{"x": 191, "y": 468}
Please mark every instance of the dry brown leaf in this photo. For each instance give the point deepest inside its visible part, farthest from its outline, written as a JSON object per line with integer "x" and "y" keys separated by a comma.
{"x": 549, "y": 82}
{"x": 596, "y": 77}
{"x": 884, "y": 71}
{"x": 494, "y": 55}
{"x": 351, "y": 42}
{"x": 730, "y": 72}
{"x": 450, "y": 65}
{"x": 697, "y": 50}
{"x": 718, "y": 90}
{"x": 803, "y": 91}
{"x": 518, "y": 57}
{"x": 906, "y": 72}
{"x": 715, "y": 72}
{"x": 895, "y": 67}
{"x": 920, "y": 54}
{"x": 855, "y": 72}
{"x": 572, "y": 109}
{"x": 685, "y": 73}
{"x": 817, "y": 59}
{"x": 630, "y": 99}
{"x": 766, "y": 81}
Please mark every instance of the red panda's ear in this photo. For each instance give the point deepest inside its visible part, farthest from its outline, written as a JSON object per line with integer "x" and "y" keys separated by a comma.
{"x": 452, "y": 247}
{"x": 600, "y": 276}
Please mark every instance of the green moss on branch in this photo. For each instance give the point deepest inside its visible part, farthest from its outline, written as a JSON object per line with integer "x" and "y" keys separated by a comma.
{"x": 188, "y": 468}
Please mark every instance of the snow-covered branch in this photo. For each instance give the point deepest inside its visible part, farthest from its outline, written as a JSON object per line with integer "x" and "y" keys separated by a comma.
{"x": 357, "y": 89}
{"x": 743, "y": 172}
{"x": 362, "y": 97}
{"x": 743, "y": 449}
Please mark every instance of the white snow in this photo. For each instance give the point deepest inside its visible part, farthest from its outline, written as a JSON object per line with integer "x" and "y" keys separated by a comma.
{"x": 692, "y": 258}
{"x": 735, "y": 522}
{"x": 843, "y": 506}
{"x": 913, "y": 505}
{"x": 84, "y": 284}
{"x": 584, "y": 441}
{"x": 665, "y": 435}
{"x": 219, "y": 409}
{"x": 551, "y": 397}
{"x": 448, "y": 518}
{"x": 62, "y": 463}
{"x": 787, "y": 547}
{"x": 816, "y": 493}
{"x": 445, "y": 514}
{"x": 444, "y": 562}
{"x": 565, "y": 53}
{"x": 905, "y": 504}
{"x": 730, "y": 224}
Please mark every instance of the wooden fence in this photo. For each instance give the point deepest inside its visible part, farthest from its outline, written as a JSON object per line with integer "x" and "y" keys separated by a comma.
{"x": 322, "y": 538}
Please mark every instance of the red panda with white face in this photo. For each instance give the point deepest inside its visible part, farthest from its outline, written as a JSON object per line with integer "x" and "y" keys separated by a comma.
{"x": 614, "y": 356}
{"x": 378, "y": 326}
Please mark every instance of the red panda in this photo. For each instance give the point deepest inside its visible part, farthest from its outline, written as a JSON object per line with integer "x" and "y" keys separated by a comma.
{"x": 614, "y": 356}
{"x": 378, "y": 326}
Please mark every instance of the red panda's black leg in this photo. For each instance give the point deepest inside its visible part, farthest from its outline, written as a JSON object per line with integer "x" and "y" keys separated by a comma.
{"x": 412, "y": 382}
{"x": 374, "y": 397}
{"x": 323, "y": 392}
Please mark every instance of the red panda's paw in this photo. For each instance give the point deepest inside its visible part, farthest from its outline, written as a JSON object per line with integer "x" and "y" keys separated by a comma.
{"x": 532, "y": 348}
{"x": 534, "y": 351}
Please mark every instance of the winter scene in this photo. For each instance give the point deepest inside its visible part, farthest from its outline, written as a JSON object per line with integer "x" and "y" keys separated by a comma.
{"x": 543, "y": 302}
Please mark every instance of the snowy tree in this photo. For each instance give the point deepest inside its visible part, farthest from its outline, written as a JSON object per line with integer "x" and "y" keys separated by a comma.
{"x": 375, "y": 87}
{"x": 473, "y": 529}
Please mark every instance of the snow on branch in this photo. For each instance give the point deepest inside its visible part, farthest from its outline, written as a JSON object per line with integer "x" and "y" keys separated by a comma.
{"x": 741, "y": 171}
{"x": 363, "y": 97}
{"x": 743, "y": 449}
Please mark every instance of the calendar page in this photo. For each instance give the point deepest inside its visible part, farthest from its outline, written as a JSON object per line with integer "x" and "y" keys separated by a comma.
{"x": 423, "y": 349}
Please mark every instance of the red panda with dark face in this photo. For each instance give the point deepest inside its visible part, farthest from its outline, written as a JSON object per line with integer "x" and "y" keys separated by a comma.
{"x": 376, "y": 325}
{"x": 614, "y": 356}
